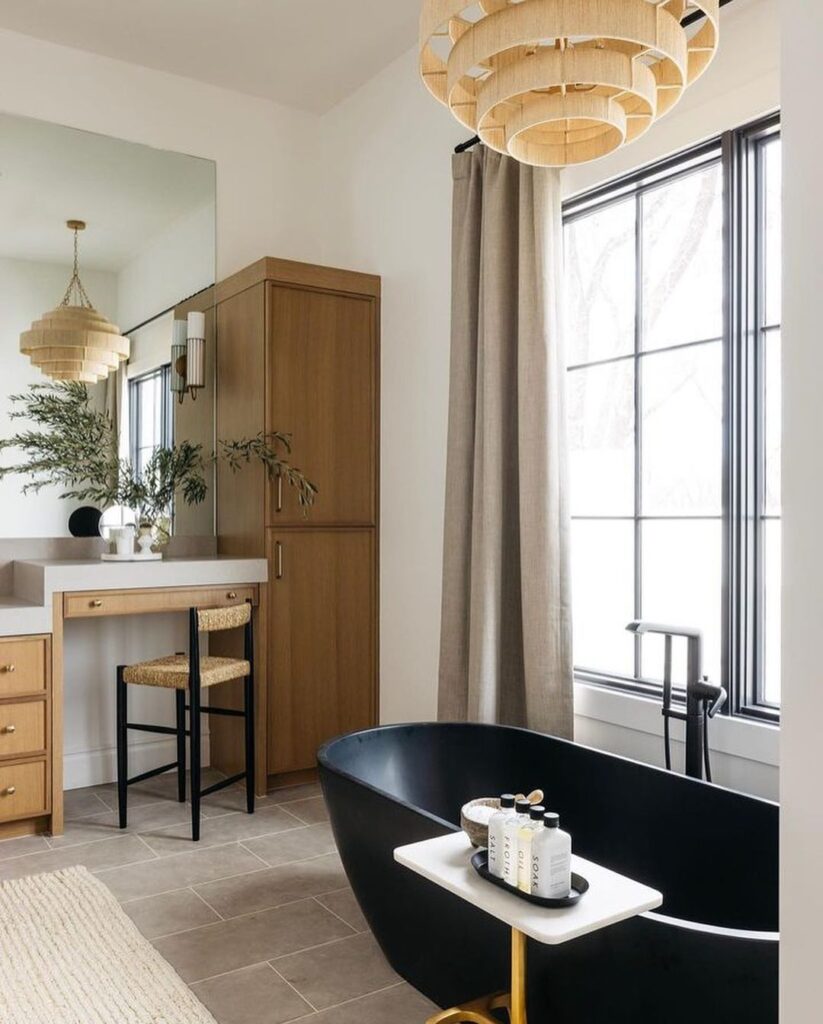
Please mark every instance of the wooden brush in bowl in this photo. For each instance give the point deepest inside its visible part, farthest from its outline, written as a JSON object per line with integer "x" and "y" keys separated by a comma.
{"x": 475, "y": 815}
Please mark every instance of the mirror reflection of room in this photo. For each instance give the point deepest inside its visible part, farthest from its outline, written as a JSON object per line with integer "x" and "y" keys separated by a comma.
{"x": 142, "y": 224}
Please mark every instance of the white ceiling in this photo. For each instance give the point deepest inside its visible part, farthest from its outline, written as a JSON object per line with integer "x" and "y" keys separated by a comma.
{"x": 307, "y": 54}
{"x": 127, "y": 193}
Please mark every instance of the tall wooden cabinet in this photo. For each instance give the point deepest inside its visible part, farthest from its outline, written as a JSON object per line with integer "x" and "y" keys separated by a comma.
{"x": 298, "y": 351}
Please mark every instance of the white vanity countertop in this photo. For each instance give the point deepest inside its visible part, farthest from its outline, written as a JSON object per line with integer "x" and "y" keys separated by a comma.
{"x": 29, "y": 609}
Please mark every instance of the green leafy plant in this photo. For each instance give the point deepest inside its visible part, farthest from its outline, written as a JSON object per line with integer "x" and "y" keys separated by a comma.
{"x": 264, "y": 448}
{"x": 75, "y": 447}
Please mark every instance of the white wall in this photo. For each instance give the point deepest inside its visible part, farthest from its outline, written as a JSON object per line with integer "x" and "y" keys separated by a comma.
{"x": 802, "y": 803}
{"x": 27, "y": 290}
{"x": 391, "y": 214}
{"x": 171, "y": 267}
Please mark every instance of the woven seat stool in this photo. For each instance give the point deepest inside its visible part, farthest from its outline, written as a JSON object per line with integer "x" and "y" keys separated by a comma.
{"x": 193, "y": 673}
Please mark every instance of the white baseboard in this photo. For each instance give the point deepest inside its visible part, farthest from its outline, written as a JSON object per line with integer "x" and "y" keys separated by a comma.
{"x": 97, "y": 767}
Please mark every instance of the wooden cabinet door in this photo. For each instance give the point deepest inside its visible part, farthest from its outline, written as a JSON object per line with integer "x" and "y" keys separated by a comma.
{"x": 322, "y": 641}
{"x": 323, "y": 376}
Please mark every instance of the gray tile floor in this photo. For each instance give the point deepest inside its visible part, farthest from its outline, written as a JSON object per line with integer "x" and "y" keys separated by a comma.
{"x": 257, "y": 918}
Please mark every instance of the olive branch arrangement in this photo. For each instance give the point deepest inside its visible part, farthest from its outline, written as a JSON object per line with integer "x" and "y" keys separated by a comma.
{"x": 76, "y": 447}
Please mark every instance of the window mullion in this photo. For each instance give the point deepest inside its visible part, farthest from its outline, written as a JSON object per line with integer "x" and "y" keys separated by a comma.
{"x": 638, "y": 430}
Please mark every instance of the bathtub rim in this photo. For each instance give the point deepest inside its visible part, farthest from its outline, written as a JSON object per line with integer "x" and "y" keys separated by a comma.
{"x": 323, "y": 760}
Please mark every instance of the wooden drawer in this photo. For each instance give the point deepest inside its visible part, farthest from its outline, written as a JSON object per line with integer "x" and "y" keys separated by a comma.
{"x": 22, "y": 790}
{"x": 99, "y": 604}
{"x": 22, "y": 729}
{"x": 22, "y": 666}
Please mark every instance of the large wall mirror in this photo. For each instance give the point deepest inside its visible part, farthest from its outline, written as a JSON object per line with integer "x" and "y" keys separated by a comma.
{"x": 146, "y": 260}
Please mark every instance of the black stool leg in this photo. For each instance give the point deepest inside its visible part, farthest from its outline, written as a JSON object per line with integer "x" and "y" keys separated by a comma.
{"x": 122, "y": 747}
{"x": 194, "y": 730}
{"x": 181, "y": 745}
{"x": 250, "y": 759}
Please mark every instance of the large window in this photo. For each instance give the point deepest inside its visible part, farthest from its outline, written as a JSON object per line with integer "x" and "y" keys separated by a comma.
{"x": 152, "y": 415}
{"x": 673, "y": 339}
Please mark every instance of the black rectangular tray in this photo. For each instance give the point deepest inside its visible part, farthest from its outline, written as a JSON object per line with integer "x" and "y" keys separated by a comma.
{"x": 480, "y": 863}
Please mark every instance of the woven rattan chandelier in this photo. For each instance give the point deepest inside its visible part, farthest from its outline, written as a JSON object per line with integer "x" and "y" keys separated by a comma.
{"x": 560, "y": 82}
{"x": 74, "y": 341}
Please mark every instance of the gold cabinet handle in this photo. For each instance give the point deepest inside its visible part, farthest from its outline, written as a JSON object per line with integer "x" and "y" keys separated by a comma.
{"x": 278, "y": 551}
{"x": 232, "y": 595}
{"x": 10, "y": 729}
{"x": 9, "y": 790}
{"x": 8, "y": 668}
{"x": 279, "y": 502}
{"x": 96, "y": 603}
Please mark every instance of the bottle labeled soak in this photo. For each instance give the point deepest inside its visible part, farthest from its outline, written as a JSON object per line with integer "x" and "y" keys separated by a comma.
{"x": 496, "y": 823}
{"x": 551, "y": 860}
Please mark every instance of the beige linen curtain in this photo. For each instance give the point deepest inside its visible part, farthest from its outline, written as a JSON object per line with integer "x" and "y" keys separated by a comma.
{"x": 505, "y": 653}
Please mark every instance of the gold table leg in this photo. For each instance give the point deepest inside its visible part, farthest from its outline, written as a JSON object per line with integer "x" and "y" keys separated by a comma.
{"x": 479, "y": 1011}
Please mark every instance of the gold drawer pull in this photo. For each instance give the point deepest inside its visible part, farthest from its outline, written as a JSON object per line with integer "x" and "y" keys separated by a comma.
{"x": 96, "y": 603}
{"x": 9, "y": 790}
{"x": 10, "y": 729}
{"x": 232, "y": 595}
{"x": 7, "y": 668}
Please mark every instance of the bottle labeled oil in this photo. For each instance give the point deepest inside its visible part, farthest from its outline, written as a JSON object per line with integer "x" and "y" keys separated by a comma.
{"x": 511, "y": 828}
{"x": 551, "y": 860}
{"x": 496, "y": 823}
{"x": 528, "y": 830}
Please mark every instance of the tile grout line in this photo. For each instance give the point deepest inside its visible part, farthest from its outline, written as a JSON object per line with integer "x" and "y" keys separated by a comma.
{"x": 225, "y": 878}
{"x": 339, "y": 918}
{"x": 293, "y": 988}
{"x": 206, "y": 903}
{"x": 144, "y": 843}
{"x": 94, "y": 871}
{"x": 242, "y": 844}
{"x": 354, "y": 999}
{"x": 293, "y": 814}
{"x": 251, "y": 913}
{"x": 165, "y": 892}
{"x": 273, "y": 960}
{"x": 91, "y": 819}
{"x": 310, "y": 949}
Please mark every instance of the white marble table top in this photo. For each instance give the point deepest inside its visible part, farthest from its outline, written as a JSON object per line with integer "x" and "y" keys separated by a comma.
{"x": 446, "y": 861}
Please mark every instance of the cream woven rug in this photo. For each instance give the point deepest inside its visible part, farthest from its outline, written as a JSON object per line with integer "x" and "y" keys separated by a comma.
{"x": 70, "y": 955}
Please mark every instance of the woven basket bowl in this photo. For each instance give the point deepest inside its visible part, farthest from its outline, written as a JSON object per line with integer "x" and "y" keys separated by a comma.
{"x": 478, "y": 833}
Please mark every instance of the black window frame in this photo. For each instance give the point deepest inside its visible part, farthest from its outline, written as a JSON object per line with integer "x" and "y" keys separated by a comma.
{"x": 743, "y": 572}
{"x": 163, "y": 373}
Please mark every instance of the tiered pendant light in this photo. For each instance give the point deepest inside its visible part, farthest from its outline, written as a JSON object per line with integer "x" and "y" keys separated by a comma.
{"x": 74, "y": 341}
{"x": 560, "y": 82}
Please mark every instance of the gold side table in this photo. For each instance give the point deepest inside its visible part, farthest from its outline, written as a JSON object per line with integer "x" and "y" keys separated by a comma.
{"x": 446, "y": 861}
{"x": 479, "y": 1011}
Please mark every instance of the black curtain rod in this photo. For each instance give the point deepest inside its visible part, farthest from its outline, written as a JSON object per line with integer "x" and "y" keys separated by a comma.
{"x": 165, "y": 312}
{"x": 692, "y": 18}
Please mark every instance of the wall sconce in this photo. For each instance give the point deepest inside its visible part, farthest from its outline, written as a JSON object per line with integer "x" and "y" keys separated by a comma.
{"x": 178, "y": 360}
{"x": 188, "y": 356}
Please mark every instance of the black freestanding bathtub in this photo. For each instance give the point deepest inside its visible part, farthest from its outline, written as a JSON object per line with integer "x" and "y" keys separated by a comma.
{"x": 709, "y": 956}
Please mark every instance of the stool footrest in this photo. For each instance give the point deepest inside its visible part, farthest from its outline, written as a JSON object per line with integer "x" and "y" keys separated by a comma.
{"x": 222, "y": 784}
{"x": 228, "y": 712}
{"x": 162, "y": 730}
{"x": 152, "y": 773}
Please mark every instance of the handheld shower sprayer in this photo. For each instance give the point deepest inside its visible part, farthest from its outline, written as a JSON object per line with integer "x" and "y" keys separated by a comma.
{"x": 703, "y": 699}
